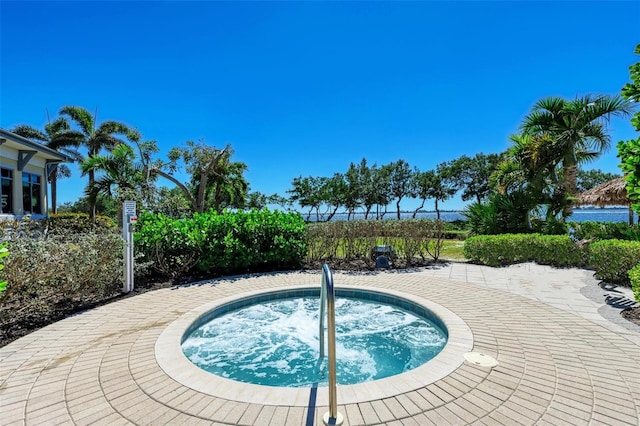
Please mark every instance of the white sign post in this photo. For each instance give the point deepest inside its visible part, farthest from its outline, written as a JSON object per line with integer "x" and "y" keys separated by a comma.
{"x": 128, "y": 219}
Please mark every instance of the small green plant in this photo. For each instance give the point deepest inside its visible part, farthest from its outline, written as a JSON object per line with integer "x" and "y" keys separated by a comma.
{"x": 4, "y": 252}
{"x": 634, "y": 277}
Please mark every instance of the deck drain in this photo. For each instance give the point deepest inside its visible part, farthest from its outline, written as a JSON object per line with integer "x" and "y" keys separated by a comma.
{"x": 480, "y": 359}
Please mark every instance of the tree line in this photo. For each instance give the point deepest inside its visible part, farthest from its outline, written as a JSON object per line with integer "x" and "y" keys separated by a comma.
{"x": 539, "y": 176}
{"x": 119, "y": 166}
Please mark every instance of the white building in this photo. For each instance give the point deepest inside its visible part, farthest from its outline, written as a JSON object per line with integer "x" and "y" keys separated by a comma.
{"x": 24, "y": 167}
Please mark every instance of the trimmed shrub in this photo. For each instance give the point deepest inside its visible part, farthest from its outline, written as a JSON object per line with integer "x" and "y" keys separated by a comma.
{"x": 46, "y": 272}
{"x": 170, "y": 245}
{"x": 221, "y": 242}
{"x": 613, "y": 259}
{"x": 634, "y": 277}
{"x": 505, "y": 249}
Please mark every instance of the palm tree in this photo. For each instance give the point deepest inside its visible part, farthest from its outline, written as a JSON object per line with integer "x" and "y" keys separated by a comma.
{"x": 116, "y": 174}
{"x": 99, "y": 138}
{"x": 59, "y": 136}
{"x": 579, "y": 130}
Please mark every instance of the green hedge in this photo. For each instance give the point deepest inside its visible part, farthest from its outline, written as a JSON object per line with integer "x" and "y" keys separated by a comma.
{"x": 505, "y": 249}
{"x": 613, "y": 259}
{"x": 595, "y": 231}
{"x": 634, "y": 277}
{"x": 221, "y": 242}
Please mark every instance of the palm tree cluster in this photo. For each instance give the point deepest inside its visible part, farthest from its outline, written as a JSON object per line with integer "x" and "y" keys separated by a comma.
{"x": 118, "y": 171}
{"x": 539, "y": 172}
{"x": 95, "y": 138}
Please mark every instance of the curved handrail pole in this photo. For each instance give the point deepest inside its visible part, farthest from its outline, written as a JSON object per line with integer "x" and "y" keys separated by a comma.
{"x": 323, "y": 309}
{"x": 332, "y": 417}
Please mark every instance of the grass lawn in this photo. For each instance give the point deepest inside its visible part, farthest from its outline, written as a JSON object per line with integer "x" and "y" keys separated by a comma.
{"x": 452, "y": 249}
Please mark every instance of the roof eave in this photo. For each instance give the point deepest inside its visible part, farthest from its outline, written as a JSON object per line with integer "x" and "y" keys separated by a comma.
{"x": 50, "y": 154}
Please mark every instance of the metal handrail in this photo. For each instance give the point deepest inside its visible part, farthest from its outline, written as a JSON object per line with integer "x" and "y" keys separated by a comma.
{"x": 323, "y": 309}
{"x": 327, "y": 293}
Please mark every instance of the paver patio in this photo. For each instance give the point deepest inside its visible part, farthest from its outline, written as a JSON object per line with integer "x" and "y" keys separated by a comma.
{"x": 562, "y": 359}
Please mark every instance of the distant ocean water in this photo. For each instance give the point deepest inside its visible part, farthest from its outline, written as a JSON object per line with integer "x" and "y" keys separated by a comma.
{"x": 608, "y": 214}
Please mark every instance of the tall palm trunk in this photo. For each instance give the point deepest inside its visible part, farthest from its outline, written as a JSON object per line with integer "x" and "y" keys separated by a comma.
{"x": 570, "y": 187}
{"x": 53, "y": 179}
{"x": 92, "y": 199}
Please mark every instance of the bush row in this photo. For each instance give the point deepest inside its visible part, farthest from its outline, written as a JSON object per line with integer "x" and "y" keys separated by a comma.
{"x": 58, "y": 225}
{"x": 594, "y": 231}
{"x": 47, "y": 273}
{"x": 412, "y": 240}
{"x": 216, "y": 243}
{"x": 505, "y": 249}
{"x": 611, "y": 259}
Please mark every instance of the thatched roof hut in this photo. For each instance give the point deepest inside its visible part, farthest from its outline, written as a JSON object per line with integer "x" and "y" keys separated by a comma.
{"x": 611, "y": 193}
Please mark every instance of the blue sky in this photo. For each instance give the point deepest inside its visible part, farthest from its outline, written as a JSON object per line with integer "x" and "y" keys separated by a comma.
{"x": 305, "y": 88}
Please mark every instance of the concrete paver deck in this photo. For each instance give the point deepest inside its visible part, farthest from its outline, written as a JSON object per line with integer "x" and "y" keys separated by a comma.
{"x": 560, "y": 361}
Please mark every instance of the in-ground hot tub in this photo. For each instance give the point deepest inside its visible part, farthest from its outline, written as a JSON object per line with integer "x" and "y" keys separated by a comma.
{"x": 272, "y": 339}
{"x": 175, "y": 363}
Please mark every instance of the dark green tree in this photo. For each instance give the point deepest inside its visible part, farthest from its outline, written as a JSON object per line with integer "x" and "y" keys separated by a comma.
{"x": 170, "y": 202}
{"x": 471, "y": 174}
{"x": 381, "y": 193}
{"x": 333, "y": 193}
{"x": 279, "y": 200}
{"x": 256, "y": 200}
{"x": 307, "y": 192}
{"x": 422, "y": 187}
{"x": 588, "y": 179}
{"x": 353, "y": 198}
{"x": 400, "y": 181}
{"x": 369, "y": 178}
{"x": 443, "y": 186}
{"x": 215, "y": 181}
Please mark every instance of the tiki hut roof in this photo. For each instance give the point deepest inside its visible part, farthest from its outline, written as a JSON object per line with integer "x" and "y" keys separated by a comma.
{"x": 611, "y": 193}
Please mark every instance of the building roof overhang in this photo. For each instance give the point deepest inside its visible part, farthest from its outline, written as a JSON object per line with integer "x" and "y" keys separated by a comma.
{"x": 19, "y": 143}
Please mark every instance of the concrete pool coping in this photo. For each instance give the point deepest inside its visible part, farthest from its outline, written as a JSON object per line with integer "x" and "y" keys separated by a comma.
{"x": 176, "y": 365}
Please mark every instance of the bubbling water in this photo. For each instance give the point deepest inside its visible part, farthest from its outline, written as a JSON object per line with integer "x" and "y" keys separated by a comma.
{"x": 276, "y": 343}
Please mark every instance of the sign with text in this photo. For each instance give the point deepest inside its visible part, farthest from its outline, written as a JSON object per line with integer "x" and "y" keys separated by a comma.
{"x": 129, "y": 208}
